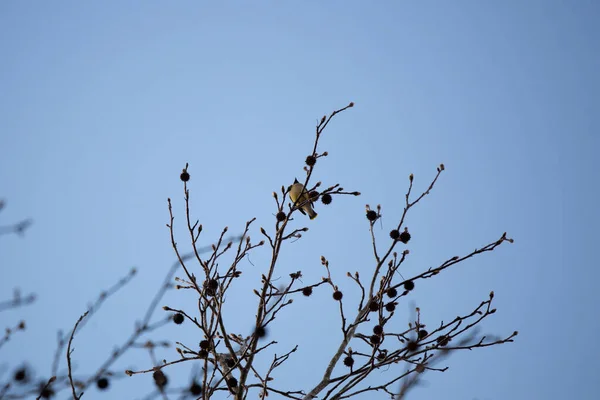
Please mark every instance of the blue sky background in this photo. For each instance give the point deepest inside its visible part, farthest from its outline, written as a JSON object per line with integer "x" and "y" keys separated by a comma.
{"x": 102, "y": 104}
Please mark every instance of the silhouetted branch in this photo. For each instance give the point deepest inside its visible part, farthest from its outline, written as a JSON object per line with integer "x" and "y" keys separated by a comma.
{"x": 226, "y": 359}
{"x": 75, "y": 396}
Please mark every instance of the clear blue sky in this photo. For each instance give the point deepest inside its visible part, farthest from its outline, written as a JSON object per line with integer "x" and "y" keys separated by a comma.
{"x": 102, "y": 104}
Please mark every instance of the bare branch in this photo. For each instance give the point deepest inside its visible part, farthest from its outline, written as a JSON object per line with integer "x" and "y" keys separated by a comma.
{"x": 75, "y": 396}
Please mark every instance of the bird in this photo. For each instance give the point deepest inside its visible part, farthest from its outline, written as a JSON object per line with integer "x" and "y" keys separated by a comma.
{"x": 304, "y": 204}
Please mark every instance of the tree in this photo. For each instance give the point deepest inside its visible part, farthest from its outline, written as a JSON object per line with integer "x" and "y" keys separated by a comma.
{"x": 227, "y": 358}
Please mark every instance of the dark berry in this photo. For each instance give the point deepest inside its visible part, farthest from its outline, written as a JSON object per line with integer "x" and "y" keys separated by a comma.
{"x": 232, "y": 382}
{"x": 204, "y": 344}
{"x": 412, "y": 345}
{"x": 211, "y": 287}
{"x": 280, "y": 216}
{"x": 230, "y": 362}
{"x": 420, "y": 368}
{"x": 160, "y": 378}
{"x": 443, "y": 340}
{"x": 213, "y": 284}
{"x": 395, "y": 234}
{"x": 314, "y": 195}
{"x": 46, "y": 392}
{"x": 102, "y": 383}
{"x": 423, "y": 333}
{"x": 371, "y": 215}
{"x": 307, "y": 291}
{"x": 178, "y": 318}
{"x": 392, "y": 292}
{"x": 326, "y": 198}
{"x": 337, "y": 295}
{"x": 203, "y": 353}
{"x": 378, "y": 329}
{"x": 260, "y": 332}
{"x": 184, "y": 176}
{"x": 196, "y": 389}
{"x": 311, "y": 160}
{"x": 409, "y": 285}
{"x": 375, "y": 339}
{"x": 390, "y": 307}
{"x": 405, "y": 237}
{"x": 21, "y": 375}
{"x": 373, "y": 306}
{"x": 349, "y": 361}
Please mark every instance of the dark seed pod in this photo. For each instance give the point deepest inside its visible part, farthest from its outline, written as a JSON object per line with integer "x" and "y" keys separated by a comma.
{"x": 102, "y": 383}
{"x": 349, "y": 361}
{"x": 371, "y": 215}
{"x": 178, "y": 318}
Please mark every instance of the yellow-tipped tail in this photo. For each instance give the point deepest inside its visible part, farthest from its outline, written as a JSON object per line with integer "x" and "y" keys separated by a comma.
{"x": 311, "y": 213}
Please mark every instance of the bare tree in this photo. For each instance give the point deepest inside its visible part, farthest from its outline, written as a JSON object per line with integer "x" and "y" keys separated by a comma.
{"x": 227, "y": 359}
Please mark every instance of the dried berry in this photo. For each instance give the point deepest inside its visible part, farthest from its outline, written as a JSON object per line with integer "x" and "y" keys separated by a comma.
{"x": 102, "y": 383}
{"x": 307, "y": 291}
{"x": 392, "y": 292}
{"x": 21, "y": 375}
{"x": 373, "y": 306}
{"x": 337, "y": 295}
{"x": 395, "y": 234}
{"x": 375, "y": 339}
{"x": 213, "y": 284}
{"x": 280, "y": 216}
{"x": 178, "y": 318}
{"x": 204, "y": 344}
{"x": 409, "y": 285}
{"x": 260, "y": 332}
{"x": 412, "y": 345}
{"x": 405, "y": 237}
{"x": 184, "y": 176}
{"x": 390, "y": 307}
{"x": 311, "y": 160}
{"x": 443, "y": 340}
{"x": 371, "y": 215}
{"x": 160, "y": 379}
{"x": 423, "y": 334}
{"x": 349, "y": 361}
{"x": 46, "y": 391}
{"x": 232, "y": 382}
{"x": 326, "y": 198}
{"x": 196, "y": 389}
{"x": 378, "y": 329}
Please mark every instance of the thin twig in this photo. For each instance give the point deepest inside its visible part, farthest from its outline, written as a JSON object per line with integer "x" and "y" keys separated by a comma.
{"x": 75, "y": 397}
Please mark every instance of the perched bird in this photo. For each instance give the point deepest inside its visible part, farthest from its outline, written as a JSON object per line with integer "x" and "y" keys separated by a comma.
{"x": 304, "y": 204}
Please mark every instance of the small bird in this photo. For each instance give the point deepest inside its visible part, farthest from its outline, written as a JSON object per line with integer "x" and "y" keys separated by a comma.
{"x": 304, "y": 204}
